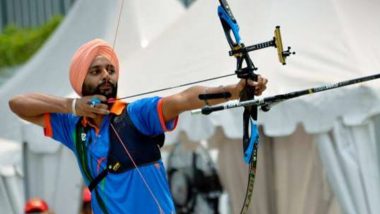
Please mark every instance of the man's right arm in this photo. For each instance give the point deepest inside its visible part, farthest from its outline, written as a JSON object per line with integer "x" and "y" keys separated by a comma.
{"x": 32, "y": 107}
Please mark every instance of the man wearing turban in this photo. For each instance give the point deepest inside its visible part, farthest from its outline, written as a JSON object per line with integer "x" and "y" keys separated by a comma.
{"x": 116, "y": 144}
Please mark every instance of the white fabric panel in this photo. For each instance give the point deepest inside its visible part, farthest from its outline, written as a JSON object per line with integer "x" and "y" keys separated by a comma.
{"x": 11, "y": 188}
{"x": 42, "y": 174}
{"x": 52, "y": 172}
{"x": 376, "y": 121}
{"x": 55, "y": 178}
{"x": 290, "y": 177}
{"x": 362, "y": 31}
{"x": 350, "y": 157}
{"x": 5, "y": 203}
{"x": 202, "y": 127}
{"x": 14, "y": 186}
{"x": 68, "y": 183}
{"x": 37, "y": 142}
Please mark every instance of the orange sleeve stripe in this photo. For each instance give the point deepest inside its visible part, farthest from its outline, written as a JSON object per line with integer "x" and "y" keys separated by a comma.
{"x": 48, "y": 130}
{"x": 161, "y": 117}
{"x": 175, "y": 123}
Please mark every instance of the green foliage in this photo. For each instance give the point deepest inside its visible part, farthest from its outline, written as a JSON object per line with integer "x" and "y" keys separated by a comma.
{"x": 17, "y": 45}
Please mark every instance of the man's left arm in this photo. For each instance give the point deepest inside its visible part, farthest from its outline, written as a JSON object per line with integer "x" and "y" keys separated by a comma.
{"x": 188, "y": 99}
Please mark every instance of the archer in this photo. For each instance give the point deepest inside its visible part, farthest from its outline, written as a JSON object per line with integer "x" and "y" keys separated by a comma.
{"x": 117, "y": 144}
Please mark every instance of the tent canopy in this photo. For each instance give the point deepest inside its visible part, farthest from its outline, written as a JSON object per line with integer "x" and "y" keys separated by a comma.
{"x": 195, "y": 48}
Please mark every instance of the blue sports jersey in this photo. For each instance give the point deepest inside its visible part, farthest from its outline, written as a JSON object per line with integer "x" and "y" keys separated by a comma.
{"x": 141, "y": 190}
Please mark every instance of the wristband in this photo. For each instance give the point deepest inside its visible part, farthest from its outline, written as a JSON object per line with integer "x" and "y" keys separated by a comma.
{"x": 73, "y": 104}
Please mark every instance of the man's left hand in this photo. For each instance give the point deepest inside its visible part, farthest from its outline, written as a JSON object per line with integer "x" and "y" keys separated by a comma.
{"x": 260, "y": 85}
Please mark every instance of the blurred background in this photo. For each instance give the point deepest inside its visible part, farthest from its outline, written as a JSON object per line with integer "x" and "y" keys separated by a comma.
{"x": 317, "y": 154}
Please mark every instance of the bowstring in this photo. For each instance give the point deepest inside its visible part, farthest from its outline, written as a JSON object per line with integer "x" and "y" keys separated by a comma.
{"x": 174, "y": 87}
{"x": 117, "y": 25}
{"x": 136, "y": 167}
{"x": 117, "y": 134}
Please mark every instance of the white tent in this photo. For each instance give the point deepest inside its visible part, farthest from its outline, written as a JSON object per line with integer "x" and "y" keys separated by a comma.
{"x": 11, "y": 192}
{"x": 334, "y": 40}
{"x": 51, "y": 171}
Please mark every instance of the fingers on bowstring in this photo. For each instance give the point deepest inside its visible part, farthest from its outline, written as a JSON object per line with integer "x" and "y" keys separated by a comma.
{"x": 261, "y": 80}
{"x": 258, "y": 92}
{"x": 91, "y": 115}
{"x": 102, "y": 108}
{"x": 102, "y": 98}
{"x": 253, "y": 83}
{"x": 99, "y": 109}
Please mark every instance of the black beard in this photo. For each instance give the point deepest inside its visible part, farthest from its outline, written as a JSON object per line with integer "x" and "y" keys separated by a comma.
{"x": 88, "y": 90}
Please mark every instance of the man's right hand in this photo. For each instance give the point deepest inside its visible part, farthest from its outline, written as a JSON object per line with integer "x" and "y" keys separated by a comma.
{"x": 84, "y": 108}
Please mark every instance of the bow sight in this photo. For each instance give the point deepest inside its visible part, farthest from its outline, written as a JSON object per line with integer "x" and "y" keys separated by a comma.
{"x": 276, "y": 42}
{"x": 239, "y": 50}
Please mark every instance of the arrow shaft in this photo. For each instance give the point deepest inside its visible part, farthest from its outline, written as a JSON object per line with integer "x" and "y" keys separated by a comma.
{"x": 283, "y": 97}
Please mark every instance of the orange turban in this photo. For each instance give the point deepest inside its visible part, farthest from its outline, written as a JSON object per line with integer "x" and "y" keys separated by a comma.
{"x": 83, "y": 57}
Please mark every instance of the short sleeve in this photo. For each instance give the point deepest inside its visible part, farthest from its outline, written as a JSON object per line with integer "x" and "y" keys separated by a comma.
{"x": 146, "y": 115}
{"x": 61, "y": 127}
